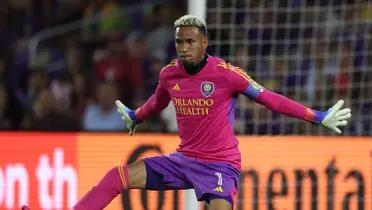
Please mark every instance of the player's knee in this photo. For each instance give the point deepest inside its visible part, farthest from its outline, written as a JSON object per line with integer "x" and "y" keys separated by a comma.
{"x": 219, "y": 202}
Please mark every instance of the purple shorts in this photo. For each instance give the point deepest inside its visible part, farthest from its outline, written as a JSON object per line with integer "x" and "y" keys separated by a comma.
{"x": 177, "y": 171}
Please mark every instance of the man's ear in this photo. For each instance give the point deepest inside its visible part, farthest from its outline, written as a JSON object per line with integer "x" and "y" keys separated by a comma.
{"x": 205, "y": 42}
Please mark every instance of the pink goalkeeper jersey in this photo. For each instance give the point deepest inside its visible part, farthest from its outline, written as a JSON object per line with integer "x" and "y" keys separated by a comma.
{"x": 205, "y": 104}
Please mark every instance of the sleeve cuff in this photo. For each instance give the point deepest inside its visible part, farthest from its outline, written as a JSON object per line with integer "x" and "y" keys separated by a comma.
{"x": 136, "y": 116}
{"x": 314, "y": 115}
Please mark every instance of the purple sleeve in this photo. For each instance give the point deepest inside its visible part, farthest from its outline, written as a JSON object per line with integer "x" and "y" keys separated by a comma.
{"x": 158, "y": 101}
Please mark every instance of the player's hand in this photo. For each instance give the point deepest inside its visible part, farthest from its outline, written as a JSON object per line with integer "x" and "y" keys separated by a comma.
{"x": 128, "y": 116}
{"x": 336, "y": 117}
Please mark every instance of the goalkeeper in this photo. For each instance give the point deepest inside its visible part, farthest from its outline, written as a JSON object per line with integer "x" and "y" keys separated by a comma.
{"x": 203, "y": 89}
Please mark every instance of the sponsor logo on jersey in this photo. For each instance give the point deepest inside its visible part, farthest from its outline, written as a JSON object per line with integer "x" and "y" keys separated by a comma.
{"x": 207, "y": 88}
{"x": 192, "y": 106}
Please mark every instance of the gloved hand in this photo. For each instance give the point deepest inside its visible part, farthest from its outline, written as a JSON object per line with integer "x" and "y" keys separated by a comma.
{"x": 128, "y": 116}
{"x": 336, "y": 117}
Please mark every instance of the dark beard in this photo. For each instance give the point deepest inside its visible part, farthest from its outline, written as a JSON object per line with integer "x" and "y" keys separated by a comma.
{"x": 193, "y": 68}
{"x": 188, "y": 64}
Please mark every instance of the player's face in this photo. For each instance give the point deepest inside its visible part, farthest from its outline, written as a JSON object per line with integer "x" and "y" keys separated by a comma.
{"x": 190, "y": 44}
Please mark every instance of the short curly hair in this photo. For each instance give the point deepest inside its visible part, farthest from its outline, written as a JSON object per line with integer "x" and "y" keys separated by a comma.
{"x": 191, "y": 20}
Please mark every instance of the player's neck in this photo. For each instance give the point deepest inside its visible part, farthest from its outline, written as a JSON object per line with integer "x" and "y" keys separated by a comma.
{"x": 195, "y": 68}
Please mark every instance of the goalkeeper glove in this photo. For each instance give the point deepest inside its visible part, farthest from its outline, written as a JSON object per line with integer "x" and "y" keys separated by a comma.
{"x": 128, "y": 116}
{"x": 335, "y": 117}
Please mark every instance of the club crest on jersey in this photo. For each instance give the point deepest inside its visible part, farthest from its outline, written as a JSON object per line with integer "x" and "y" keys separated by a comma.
{"x": 207, "y": 88}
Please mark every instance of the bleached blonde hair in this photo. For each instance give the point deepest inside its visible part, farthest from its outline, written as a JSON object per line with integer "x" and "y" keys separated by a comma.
{"x": 191, "y": 20}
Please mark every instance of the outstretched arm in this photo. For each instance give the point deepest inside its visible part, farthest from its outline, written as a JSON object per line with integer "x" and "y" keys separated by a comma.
{"x": 242, "y": 83}
{"x": 331, "y": 119}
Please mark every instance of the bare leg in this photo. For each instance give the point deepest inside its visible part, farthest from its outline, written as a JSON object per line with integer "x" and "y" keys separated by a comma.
{"x": 114, "y": 182}
{"x": 137, "y": 175}
{"x": 219, "y": 204}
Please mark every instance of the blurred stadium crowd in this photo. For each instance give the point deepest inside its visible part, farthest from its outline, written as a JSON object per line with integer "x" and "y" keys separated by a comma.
{"x": 79, "y": 73}
{"x": 117, "y": 53}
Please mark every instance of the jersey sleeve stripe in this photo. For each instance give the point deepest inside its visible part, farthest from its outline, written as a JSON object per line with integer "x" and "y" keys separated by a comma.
{"x": 171, "y": 64}
{"x": 235, "y": 69}
{"x": 243, "y": 74}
